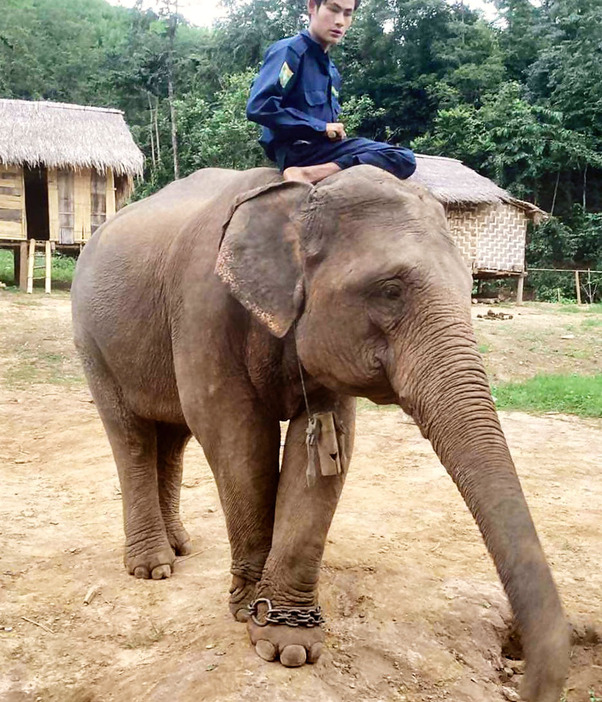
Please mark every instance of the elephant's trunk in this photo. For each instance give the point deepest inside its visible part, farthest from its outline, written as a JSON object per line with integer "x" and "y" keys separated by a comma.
{"x": 443, "y": 384}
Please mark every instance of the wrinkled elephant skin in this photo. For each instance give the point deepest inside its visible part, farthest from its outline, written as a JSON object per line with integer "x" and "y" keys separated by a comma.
{"x": 191, "y": 310}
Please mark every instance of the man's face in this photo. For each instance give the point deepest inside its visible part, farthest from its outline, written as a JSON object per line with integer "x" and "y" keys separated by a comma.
{"x": 329, "y": 22}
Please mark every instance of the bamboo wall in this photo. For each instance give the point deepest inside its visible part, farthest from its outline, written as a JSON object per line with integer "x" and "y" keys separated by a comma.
{"x": 71, "y": 201}
{"x": 491, "y": 238}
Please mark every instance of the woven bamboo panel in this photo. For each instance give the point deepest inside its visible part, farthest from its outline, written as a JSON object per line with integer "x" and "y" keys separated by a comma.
{"x": 490, "y": 237}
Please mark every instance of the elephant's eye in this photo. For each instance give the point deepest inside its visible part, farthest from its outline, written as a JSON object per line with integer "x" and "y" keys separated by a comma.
{"x": 390, "y": 289}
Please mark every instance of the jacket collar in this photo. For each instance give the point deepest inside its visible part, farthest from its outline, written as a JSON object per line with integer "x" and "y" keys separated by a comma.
{"x": 314, "y": 46}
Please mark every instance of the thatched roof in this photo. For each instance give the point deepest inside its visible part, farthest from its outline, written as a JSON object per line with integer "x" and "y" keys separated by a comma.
{"x": 58, "y": 135}
{"x": 453, "y": 183}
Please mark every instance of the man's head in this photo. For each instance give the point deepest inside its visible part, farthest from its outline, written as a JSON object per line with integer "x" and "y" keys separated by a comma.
{"x": 329, "y": 20}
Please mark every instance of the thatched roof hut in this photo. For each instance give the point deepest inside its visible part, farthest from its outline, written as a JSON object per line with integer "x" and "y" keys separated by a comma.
{"x": 63, "y": 169}
{"x": 488, "y": 224}
{"x": 58, "y": 135}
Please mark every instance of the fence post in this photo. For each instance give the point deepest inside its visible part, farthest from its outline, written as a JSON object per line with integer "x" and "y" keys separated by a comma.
{"x": 519, "y": 288}
{"x": 578, "y": 287}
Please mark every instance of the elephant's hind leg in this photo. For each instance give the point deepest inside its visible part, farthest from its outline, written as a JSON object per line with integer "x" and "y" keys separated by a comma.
{"x": 171, "y": 442}
{"x": 148, "y": 553}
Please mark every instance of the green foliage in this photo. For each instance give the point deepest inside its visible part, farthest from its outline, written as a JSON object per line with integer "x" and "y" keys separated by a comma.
{"x": 569, "y": 394}
{"x": 520, "y": 101}
{"x": 218, "y": 133}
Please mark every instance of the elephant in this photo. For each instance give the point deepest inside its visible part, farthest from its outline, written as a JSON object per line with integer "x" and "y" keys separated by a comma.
{"x": 231, "y": 301}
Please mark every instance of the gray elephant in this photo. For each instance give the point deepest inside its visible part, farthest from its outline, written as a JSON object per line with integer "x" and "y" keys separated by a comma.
{"x": 211, "y": 309}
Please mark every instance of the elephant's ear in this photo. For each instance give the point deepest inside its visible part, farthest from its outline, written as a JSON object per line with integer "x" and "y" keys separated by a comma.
{"x": 260, "y": 257}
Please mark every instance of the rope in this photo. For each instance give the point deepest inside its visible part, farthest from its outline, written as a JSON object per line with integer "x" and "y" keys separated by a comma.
{"x": 301, "y": 375}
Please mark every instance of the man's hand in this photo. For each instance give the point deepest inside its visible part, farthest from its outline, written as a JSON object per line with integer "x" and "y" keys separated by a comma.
{"x": 335, "y": 131}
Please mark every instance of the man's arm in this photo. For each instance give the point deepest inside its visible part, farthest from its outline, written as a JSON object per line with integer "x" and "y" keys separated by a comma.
{"x": 276, "y": 78}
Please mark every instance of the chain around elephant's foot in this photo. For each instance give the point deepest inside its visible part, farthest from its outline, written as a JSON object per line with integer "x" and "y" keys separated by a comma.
{"x": 152, "y": 559}
{"x": 294, "y": 644}
{"x": 242, "y": 593}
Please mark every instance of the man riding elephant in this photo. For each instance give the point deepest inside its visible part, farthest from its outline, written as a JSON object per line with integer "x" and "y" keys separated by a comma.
{"x": 295, "y": 98}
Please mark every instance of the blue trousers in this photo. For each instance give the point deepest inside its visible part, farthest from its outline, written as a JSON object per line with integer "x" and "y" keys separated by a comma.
{"x": 350, "y": 152}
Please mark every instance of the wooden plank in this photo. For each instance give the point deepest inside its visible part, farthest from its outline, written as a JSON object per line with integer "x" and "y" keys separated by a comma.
{"x": 23, "y": 265}
{"x": 31, "y": 257}
{"x": 66, "y": 206}
{"x": 82, "y": 206}
{"x": 11, "y": 215}
{"x": 53, "y": 204}
{"x": 11, "y": 202}
{"x": 110, "y": 206}
{"x": 9, "y": 190}
{"x": 8, "y": 171}
{"x": 11, "y": 230}
{"x": 47, "y": 268}
{"x": 98, "y": 199}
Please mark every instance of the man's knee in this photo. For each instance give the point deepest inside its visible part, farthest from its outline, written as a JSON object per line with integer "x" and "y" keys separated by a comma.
{"x": 405, "y": 162}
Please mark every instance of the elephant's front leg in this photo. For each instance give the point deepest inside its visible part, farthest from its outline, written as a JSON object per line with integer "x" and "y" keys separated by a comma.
{"x": 291, "y": 573}
{"x": 242, "y": 445}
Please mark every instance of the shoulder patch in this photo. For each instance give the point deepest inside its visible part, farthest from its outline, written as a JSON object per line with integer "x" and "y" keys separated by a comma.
{"x": 286, "y": 73}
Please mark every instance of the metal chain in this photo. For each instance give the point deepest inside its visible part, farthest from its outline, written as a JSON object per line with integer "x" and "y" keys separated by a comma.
{"x": 286, "y": 615}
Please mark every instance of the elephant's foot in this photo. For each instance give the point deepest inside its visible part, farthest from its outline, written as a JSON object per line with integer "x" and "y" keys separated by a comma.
{"x": 242, "y": 593}
{"x": 153, "y": 562}
{"x": 293, "y": 645}
{"x": 178, "y": 537}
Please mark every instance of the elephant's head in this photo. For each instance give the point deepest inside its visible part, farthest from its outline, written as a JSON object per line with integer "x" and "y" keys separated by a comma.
{"x": 364, "y": 266}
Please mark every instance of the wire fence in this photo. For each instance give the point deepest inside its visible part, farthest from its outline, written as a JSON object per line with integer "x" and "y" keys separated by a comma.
{"x": 560, "y": 284}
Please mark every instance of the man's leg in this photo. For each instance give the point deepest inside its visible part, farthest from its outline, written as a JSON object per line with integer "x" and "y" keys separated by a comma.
{"x": 317, "y": 161}
{"x": 310, "y": 174}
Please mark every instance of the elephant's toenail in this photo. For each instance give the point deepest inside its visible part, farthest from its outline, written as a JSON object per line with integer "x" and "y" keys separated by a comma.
{"x": 160, "y": 572}
{"x": 314, "y": 653}
{"x": 141, "y": 572}
{"x": 184, "y": 549}
{"x": 266, "y": 650}
{"x": 293, "y": 656}
{"x": 242, "y": 615}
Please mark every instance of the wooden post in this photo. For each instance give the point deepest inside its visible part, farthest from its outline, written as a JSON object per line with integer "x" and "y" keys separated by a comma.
{"x": 23, "y": 265}
{"x": 16, "y": 264}
{"x": 48, "y": 268}
{"x": 30, "y": 262}
{"x": 578, "y": 287}
{"x": 519, "y": 288}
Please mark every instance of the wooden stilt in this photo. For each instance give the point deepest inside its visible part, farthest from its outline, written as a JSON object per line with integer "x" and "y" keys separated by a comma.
{"x": 578, "y": 287}
{"x": 48, "y": 268}
{"x": 519, "y": 289}
{"x": 30, "y": 263}
{"x": 23, "y": 265}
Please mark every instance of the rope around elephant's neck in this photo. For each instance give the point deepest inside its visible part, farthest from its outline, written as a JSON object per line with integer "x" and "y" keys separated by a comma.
{"x": 301, "y": 374}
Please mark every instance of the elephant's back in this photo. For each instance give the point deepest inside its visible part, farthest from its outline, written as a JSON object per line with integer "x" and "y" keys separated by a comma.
{"x": 129, "y": 291}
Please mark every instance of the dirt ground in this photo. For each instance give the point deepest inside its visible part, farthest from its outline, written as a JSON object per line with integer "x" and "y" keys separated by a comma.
{"x": 414, "y": 608}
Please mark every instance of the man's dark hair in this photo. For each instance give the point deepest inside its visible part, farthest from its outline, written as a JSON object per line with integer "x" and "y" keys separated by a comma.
{"x": 356, "y": 5}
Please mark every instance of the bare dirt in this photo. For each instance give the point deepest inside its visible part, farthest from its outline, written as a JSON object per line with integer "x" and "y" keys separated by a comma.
{"x": 415, "y": 610}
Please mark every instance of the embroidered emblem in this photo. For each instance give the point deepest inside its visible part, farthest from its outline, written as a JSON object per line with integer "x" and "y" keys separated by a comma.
{"x": 335, "y": 92}
{"x": 285, "y": 74}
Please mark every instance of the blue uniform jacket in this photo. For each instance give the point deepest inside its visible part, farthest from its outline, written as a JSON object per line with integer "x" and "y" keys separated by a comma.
{"x": 295, "y": 94}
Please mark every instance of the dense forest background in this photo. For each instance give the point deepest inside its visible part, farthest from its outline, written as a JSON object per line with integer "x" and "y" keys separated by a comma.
{"x": 519, "y": 99}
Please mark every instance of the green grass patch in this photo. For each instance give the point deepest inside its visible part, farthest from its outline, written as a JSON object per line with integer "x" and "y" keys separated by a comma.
{"x": 63, "y": 268}
{"x": 595, "y": 308}
{"x": 568, "y": 394}
{"x": 590, "y": 323}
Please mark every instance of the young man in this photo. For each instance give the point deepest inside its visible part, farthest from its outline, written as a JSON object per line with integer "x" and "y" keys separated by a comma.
{"x": 295, "y": 98}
